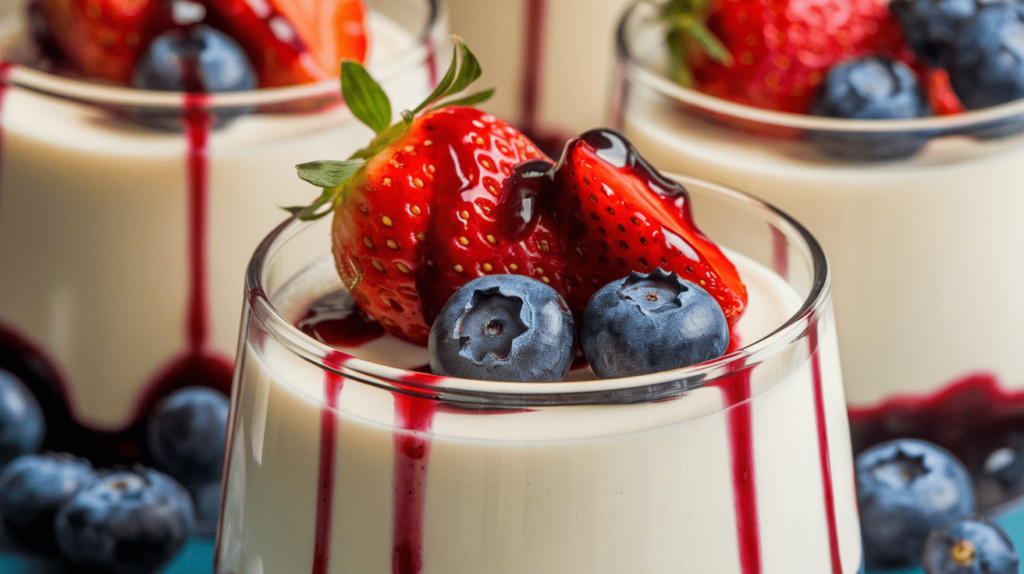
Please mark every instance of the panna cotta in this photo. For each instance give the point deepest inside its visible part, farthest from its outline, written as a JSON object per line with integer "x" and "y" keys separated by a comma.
{"x": 346, "y": 456}
{"x": 922, "y": 248}
{"x": 124, "y": 244}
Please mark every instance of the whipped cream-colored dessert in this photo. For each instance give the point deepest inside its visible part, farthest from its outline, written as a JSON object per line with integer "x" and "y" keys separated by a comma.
{"x": 124, "y": 245}
{"x": 371, "y": 465}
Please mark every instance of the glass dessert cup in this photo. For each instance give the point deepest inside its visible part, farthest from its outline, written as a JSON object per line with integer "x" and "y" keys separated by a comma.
{"x": 352, "y": 459}
{"x": 128, "y": 217}
{"x": 925, "y": 249}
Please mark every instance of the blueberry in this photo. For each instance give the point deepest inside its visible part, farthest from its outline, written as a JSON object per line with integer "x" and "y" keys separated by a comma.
{"x": 930, "y": 26}
{"x": 986, "y": 65}
{"x": 128, "y": 522}
{"x": 503, "y": 328}
{"x": 648, "y": 323}
{"x": 870, "y": 89}
{"x": 32, "y": 489}
{"x": 1006, "y": 463}
{"x": 905, "y": 489}
{"x": 185, "y": 435}
{"x": 969, "y": 546}
{"x": 22, "y": 427}
{"x": 194, "y": 59}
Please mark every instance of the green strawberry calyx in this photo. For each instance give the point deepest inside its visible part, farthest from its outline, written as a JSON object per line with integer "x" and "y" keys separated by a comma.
{"x": 687, "y": 33}
{"x": 368, "y": 103}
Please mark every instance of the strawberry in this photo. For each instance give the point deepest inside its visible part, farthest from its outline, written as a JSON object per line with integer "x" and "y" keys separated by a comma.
{"x": 278, "y": 54}
{"x": 774, "y": 53}
{"x": 941, "y": 96}
{"x": 616, "y": 214}
{"x": 439, "y": 199}
{"x": 411, "y": 227}
{"x": 103, "y": 39}
{"x": 334, "y": 30}
{"x": 385, "y": 197}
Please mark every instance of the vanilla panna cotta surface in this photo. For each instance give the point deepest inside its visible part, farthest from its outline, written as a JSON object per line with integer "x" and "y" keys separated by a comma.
{"x": 376, "y": 466}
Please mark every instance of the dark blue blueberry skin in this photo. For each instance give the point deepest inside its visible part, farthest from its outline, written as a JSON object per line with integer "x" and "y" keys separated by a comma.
{"x": 22, "y": 426}
{"x": 870, "y": 89}
{"x": 128, "y": 522}
{"x": 185, "y": 435}
{"x": 930, "y": 26}
{"x": 197, "y": 59}
{"x": 194, "y": 59}
{"x": 503, "y": 328}
{"x": 986, "y": 65}
{"x": 970, "y": 546}
{"x": 905, "y": 489}
{"x": 1005, "y": 465}
{"x": 32, "y": 489}
{"x": 649, "y": 323}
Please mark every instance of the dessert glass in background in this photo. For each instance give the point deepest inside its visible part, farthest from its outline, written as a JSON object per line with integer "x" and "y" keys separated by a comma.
{"x": 123, "y": 246}
{"x": 550, "y": 59}
{"x": 926, "y": 251}
{"x": 737, "y": 465}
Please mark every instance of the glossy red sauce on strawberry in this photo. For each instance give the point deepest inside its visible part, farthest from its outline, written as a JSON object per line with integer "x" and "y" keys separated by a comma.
{"x": 617, "y": 214}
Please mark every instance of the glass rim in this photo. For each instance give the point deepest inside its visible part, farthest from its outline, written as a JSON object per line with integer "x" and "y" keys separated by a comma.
{"x": 636, "y": 389}
{"x": 634, "y": 69}
{"x": 93, "y": 92}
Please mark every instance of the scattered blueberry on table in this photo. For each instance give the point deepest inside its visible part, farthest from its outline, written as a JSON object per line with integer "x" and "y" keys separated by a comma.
{"x": 905, "y": 489}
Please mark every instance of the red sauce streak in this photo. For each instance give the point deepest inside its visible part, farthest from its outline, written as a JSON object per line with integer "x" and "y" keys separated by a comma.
{"x": 823, "y": 453}
{"x": 5, "y": 68}
{"x": 780, "y": 253}
{"x": 325, "y": 475}
{"x": 414, "y": 415}
{"x": 197, "y": 131}
{"x": 736, "y": 394}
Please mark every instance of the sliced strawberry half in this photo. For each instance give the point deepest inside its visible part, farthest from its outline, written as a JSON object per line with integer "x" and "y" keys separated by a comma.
{"x": 334, "y": 30}
{"x": 103, "y": 39}
{"x": 278, "y": 53}
{"x": 617, "y": 214}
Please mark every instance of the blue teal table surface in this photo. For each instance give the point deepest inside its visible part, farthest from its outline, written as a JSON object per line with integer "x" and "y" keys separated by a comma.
{"x": 1011, "y": 520}
{"x": 195, "y": 558}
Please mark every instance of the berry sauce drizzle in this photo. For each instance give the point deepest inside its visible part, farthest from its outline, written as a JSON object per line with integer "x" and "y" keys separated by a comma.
{"x": 5, "y": 68}
{"x": 823, "y": 453}
{"x": 325, "y": 476}
{"x": 414, "y": 417}
{"x": 196, "y": 365}
{"x": 736, "y": 394}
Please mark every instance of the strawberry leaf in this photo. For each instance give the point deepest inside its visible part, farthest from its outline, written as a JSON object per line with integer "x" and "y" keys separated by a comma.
{"x": 328, "y": 173}
{"x": 687, "y": 31}
{"x": 471, "y": 100}
{"x": 365, "y": 97}
{"x": 469, "y": 70}
{"x": 708, "y": 41}
{"x": 443, "y": 85}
